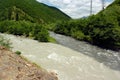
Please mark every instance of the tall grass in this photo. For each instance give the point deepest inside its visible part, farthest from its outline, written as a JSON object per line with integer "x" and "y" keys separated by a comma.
{"x": 5, "y": 42}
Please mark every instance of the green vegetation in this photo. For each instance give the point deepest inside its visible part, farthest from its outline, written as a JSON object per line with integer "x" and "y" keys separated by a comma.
{"x": 25, "y": 28}
{"x": 71, "y": 28}
{"x": 52, "y": 40}
{"x": 18, "y": 52}
{"x": 102, "y": 29}
{"x": 5, "y": 42}
{"x": 32, "y": 19}
{"x": 27, "y": 17}
{"x": 30, "y": 10}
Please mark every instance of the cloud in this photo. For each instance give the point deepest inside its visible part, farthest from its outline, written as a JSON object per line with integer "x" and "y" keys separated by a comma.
{"x": 76, "y": 8}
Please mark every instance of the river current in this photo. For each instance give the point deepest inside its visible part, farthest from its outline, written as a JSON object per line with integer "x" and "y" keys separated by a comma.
{"x": 107, "y": 57}
{"x": 70, "y": 59}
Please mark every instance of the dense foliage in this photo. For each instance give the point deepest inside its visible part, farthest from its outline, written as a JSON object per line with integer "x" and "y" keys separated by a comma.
{"x": 25, "y": 28}
{"x": 102, "y": 29}
{"x": 26, "y": 17}
{"x": 72, "y": 28}
{"x": 30, "y": 10}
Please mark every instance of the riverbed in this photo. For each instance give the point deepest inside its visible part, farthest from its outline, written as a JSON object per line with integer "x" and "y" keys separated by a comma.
{"x": 69, "y": 64}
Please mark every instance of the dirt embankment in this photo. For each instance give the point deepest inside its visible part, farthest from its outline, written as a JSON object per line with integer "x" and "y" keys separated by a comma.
{"x": 14, "y": 67}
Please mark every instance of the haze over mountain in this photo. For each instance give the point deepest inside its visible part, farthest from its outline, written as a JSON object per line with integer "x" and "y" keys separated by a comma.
{"x": 30, "y": 10}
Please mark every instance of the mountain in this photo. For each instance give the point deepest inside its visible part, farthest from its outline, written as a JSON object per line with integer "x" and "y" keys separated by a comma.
{"x": 30, "y": 10}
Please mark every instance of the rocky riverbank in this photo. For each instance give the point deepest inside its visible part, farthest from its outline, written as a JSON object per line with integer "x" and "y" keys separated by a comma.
{"x": 15, "y": 67}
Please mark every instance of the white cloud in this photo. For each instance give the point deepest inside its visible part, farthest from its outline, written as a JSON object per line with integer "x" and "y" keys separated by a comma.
{"x": 76, "y": 8}
{"x": 67, "y": 1}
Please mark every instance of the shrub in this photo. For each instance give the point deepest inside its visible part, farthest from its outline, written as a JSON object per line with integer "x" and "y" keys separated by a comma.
{"x": 18, "y": 52}
{"x": 25, "y": 28}
{"x": 42, "y": 36}
{"x": 5, "y": 42}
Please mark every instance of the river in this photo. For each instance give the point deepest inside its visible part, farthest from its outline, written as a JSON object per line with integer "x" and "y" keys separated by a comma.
{"x": 107, "y": 57}
{"x": 70, "y": 59}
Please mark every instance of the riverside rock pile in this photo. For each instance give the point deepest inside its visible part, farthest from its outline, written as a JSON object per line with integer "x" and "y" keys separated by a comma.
{"x": 15, "y": 67}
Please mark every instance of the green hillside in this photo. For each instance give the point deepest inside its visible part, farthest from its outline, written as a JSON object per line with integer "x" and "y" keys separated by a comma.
{"x": 27, "y": 17}
{"x": 102, "y": 29}
{"x": 29, "y": 10}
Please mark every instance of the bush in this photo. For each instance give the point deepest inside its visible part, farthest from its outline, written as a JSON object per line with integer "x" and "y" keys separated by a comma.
{"x": 25, "y": 28}
{"x": 18, "y": 52}
{"x": 5, "y": 42}
{"x": 40, "y": 33}
{"x": 73, "y": 28}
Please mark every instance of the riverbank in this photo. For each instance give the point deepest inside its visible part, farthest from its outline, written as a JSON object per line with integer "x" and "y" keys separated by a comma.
{"x": 15, "y": 67}
{"x": 67, "y": 63}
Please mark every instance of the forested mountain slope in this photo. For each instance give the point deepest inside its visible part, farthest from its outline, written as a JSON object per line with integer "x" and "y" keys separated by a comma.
{"x": 30, "y": 10}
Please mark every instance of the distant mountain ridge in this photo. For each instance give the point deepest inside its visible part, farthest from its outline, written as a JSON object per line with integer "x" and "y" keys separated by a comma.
{"x": 30, "y": 10}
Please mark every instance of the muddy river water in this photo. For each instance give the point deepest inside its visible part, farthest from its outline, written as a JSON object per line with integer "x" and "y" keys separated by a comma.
{"x": 70, "y": 59}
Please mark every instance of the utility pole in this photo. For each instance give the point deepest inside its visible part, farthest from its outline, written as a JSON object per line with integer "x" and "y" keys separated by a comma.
{"x": 90, "y": 7}
{"x": 103, "y": 4}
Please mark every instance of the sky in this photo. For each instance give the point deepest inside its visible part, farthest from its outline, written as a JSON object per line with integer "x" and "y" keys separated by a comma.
{"x": 76, "y": 8}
